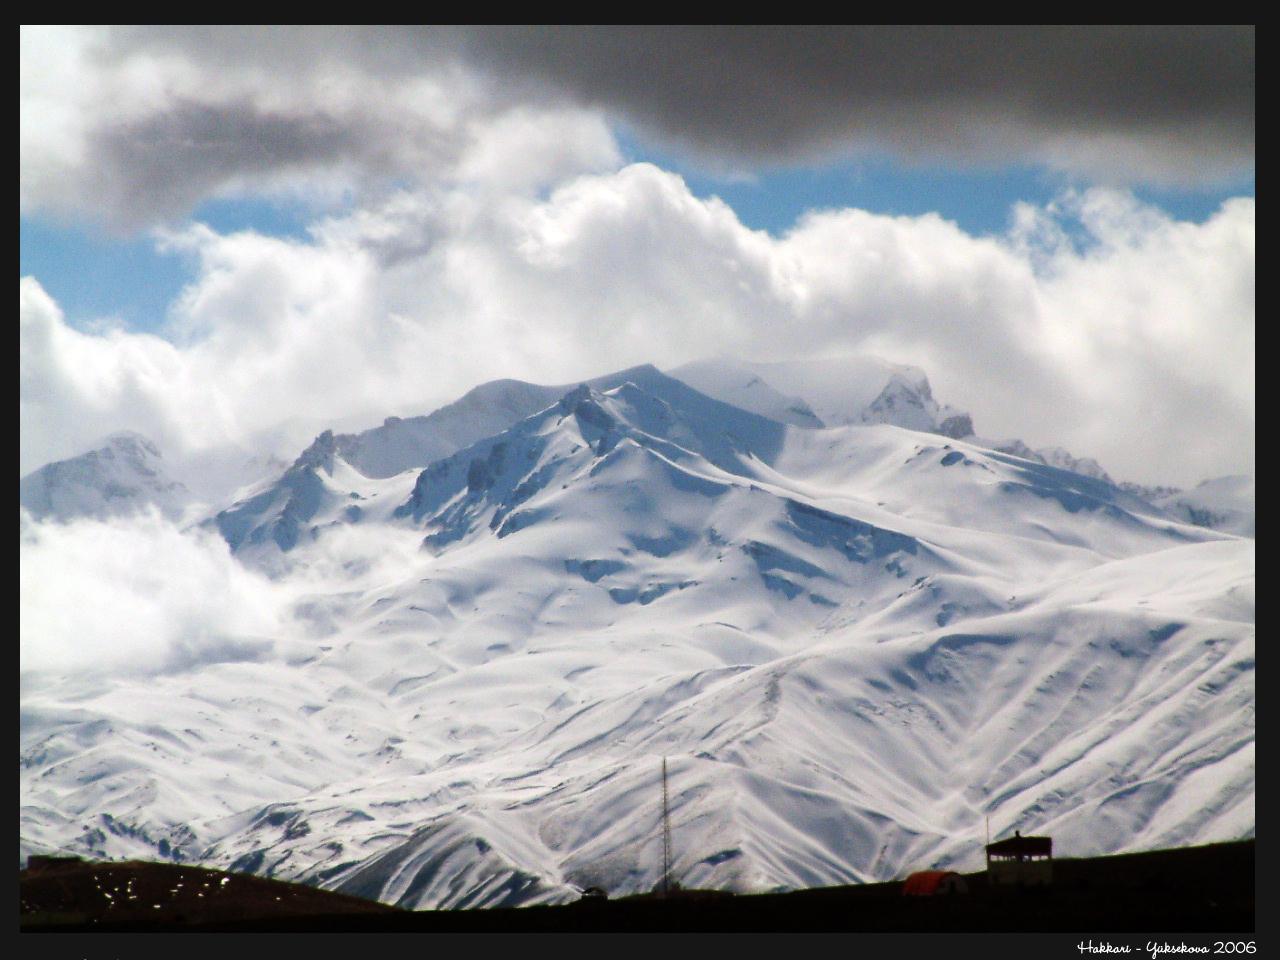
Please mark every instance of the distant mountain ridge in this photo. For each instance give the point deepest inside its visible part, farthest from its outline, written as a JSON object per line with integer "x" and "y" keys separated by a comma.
{"x": 1051, "y": 456}
{"x": 1222, "y": 503}
{"x": 841, "y": 391}
{"x": 836, "y": 392}
{"x": 847, "y": 391}
{"x": 125, "y": 476}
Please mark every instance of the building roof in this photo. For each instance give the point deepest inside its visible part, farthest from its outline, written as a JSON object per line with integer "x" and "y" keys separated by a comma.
{"x": 1022, "y": 846}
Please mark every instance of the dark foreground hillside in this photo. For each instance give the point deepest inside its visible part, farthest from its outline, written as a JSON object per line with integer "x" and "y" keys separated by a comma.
{"x": 1191, "y": 890}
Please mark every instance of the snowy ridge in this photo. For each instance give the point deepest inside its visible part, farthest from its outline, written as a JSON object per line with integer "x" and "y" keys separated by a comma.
{"x": 844, "y": 390}
{"x": 279, "y": 511}
{"x": 853, "y": 644}
{"x": 405, "y": 444}
{"x": 835, "y": 392}
{"x": 1224, "y": 503}
{"x": 414, "y": 442}
{"x": 123, "y": 477}
{"x": 1050, "y": 456}
{"x": 738, "y": 384}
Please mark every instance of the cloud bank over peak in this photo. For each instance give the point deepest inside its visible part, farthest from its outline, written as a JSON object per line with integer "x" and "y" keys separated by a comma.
{"x": 1097, "y": 323}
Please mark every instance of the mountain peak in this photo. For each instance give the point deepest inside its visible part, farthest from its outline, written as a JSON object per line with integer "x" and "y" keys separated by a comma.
{"x": 124, "y": 476}
{"x": 570, "y": 401}
{"x": 318, "y": 456}
{"x": 132, "y": 440}
{"x": 832, "y": 391}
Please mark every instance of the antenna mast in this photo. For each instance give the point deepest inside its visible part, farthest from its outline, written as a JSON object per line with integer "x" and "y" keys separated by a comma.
{"x": 666, "y": 832}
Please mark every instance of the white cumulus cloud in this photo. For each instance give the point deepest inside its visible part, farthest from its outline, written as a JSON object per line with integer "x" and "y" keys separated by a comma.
{"x": 137, "y": 596}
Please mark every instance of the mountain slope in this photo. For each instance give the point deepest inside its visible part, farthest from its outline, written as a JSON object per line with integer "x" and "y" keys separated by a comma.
{"x": 125, "y": 476}
{"x": 853, "y": 644}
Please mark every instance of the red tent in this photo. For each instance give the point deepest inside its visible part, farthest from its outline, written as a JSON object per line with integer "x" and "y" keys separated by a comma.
{"x": 927, "y": 883}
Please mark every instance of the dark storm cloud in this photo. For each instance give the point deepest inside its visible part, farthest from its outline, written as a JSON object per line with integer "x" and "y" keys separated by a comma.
{"x": 167, "y": 162}
{"x": 149, "y": 121}
{"x": 1164, "y": 102}
{"x": 1183, "y": 95}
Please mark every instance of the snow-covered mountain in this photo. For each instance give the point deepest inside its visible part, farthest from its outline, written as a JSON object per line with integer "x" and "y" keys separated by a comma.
{"x": 1223, "y": 503}
{"x": 1050, "y": 456}
{"x": 853, "y": 643}
{"x": 741, "y": 385}
{"x": 125, "y": 476}
{"x": 856, "y": 389}
{"x": 835, "y": 392}
{"x": 338, "y": 468}
{"x": 866, "y": 389}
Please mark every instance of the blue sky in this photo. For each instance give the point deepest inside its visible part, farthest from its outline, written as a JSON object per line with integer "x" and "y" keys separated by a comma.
{"x": 97, "y": 274}
{"x": 978, "y": 198}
